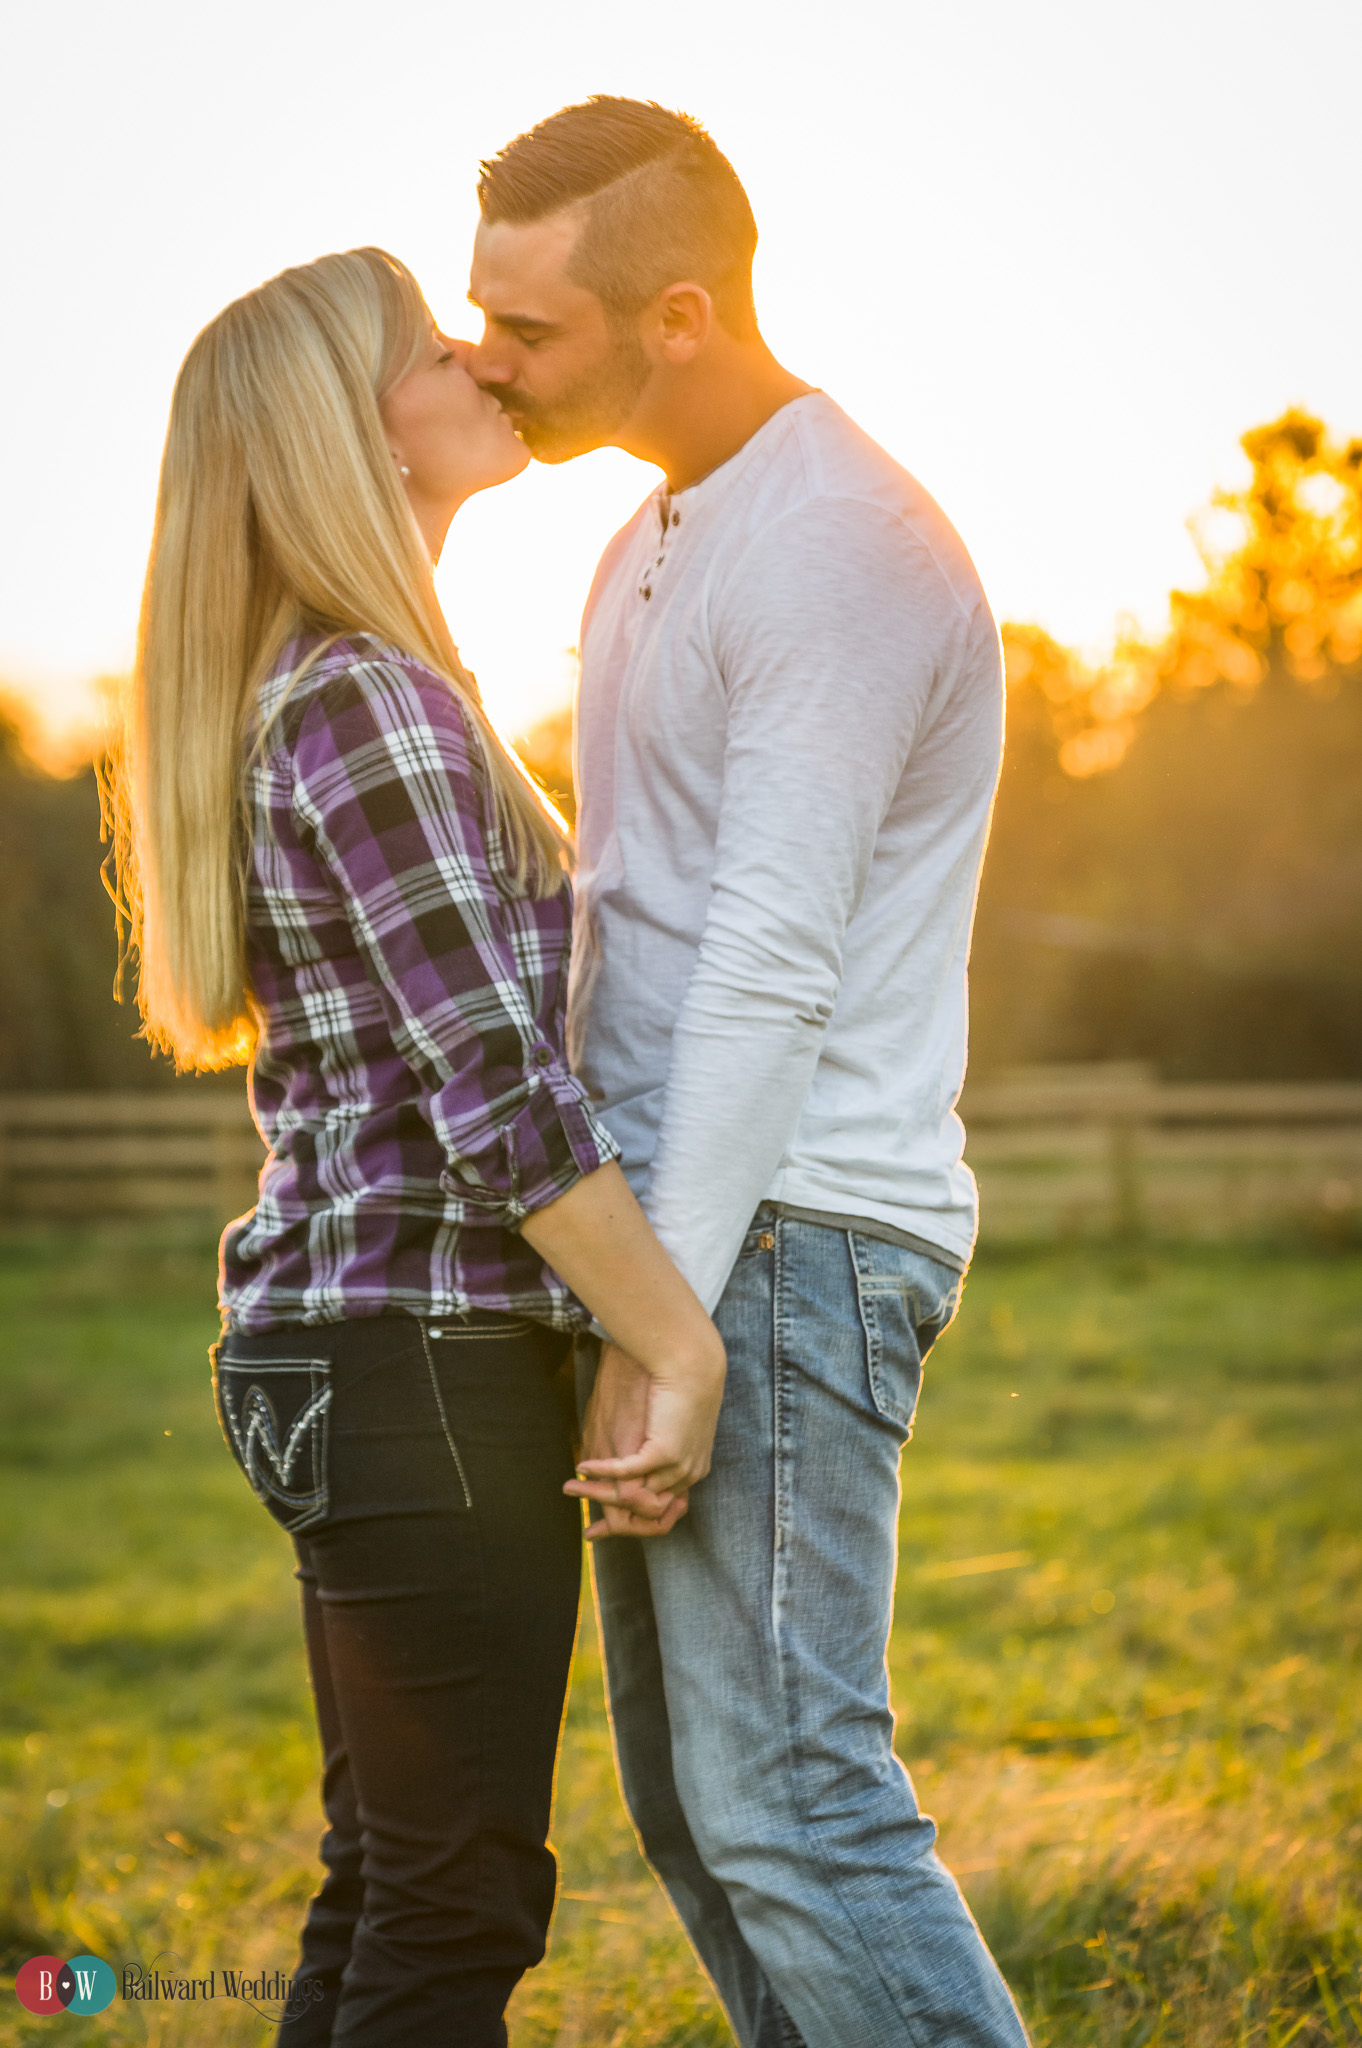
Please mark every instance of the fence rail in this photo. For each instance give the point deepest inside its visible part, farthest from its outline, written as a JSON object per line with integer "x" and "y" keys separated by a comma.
{"x": 194, "y": 1151}
{"x": 1115, "y": 1152}
{"x": 1060, "y": 1152}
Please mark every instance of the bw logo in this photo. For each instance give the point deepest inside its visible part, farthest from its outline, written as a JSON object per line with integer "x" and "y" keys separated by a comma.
{"x": 47, "y": 1984}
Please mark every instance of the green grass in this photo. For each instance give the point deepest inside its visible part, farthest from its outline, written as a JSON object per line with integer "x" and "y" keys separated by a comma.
{"x": 1138, "y": 1729}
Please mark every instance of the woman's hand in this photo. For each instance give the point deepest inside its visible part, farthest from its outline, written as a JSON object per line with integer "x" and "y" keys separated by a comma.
{"x": 650, "y": 1424}
{"x": 647, "y": 1439}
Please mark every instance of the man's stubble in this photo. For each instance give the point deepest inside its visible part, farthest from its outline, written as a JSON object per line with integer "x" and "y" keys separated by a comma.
{"x": 589, "y": 413}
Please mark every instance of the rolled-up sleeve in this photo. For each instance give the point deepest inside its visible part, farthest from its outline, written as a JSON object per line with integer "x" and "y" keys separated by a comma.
{"x": 391, "y": 792}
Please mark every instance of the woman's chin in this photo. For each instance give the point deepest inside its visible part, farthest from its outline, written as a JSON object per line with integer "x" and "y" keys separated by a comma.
{"x": 509, "y": 459}
{"x": 518, "y": 459}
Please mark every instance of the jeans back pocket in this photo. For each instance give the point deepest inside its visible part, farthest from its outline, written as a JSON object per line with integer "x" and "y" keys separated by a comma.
{"x": 905, "y": 1301}
{"x": 274, "y": 1415}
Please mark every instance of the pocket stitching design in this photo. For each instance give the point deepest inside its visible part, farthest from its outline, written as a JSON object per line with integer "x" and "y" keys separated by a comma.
{"x": 260, "y": 1434}
{"x": 444, "y": 1419}
{"x": 868, "y": 1298}
{"x": 259, "y": 1419}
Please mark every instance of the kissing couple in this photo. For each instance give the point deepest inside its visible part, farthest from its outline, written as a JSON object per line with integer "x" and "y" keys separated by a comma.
{"x": 693, "y": 1133}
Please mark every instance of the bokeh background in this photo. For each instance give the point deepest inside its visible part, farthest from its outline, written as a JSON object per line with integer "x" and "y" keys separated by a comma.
{"x": 1090, "y": 272}
{"x": 1059, "y": 259}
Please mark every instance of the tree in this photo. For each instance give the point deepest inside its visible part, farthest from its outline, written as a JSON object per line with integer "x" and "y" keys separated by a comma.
{"x": 1176, "y": 866}
{"x": 1175, "y": 870}
{"x": 59, "y": 1024}
{"x": 1284, "y": 570}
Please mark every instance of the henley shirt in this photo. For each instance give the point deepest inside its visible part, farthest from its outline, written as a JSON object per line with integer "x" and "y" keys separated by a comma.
{"x": 789, "y": 729}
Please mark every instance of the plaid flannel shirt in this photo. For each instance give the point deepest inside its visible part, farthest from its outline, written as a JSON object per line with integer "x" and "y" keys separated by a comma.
{"x": 409, "y": 1078}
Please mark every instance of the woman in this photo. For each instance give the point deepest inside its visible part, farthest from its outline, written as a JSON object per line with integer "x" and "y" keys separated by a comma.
{"x": 332, "y": 866}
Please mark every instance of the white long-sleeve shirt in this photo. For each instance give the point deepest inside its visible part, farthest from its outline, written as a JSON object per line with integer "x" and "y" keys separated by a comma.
{"x": 788, "y": 737}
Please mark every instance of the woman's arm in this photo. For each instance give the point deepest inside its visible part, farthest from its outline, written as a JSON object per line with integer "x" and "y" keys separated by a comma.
{"x": 599, "y": 1241}
{"x": 386, "y": 796}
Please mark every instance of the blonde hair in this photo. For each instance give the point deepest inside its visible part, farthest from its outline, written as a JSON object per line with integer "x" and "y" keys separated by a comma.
{"x": 279, "y": 513}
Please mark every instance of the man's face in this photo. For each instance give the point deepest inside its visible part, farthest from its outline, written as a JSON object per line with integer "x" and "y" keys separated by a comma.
{"x": 567, "y": 379}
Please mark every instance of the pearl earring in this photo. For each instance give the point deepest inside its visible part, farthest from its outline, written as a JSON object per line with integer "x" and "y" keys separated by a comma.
{"x": 403, "y": 470}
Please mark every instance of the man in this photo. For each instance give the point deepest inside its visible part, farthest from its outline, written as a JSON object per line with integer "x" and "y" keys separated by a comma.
{"x": 788, "y": 736}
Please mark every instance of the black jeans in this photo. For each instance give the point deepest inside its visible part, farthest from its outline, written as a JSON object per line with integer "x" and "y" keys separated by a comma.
{"x": 419, "y": 1470}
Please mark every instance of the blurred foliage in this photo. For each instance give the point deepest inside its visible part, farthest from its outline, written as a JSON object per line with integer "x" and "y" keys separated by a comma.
{"x": 1284, "y": 589}
{"x": 547, "y": 753}
{"x": 59, "y": 1024}
{"x": 1175, "y": 871}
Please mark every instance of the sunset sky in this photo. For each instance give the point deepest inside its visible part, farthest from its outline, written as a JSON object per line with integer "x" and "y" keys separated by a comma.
{"x": 1055, "y": 257}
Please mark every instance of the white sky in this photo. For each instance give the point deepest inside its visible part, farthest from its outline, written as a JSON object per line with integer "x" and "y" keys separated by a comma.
{"x": 1055, "y": 256}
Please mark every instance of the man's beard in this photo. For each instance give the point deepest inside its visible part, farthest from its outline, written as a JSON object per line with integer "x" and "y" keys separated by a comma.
{"x": 588, "y": 414}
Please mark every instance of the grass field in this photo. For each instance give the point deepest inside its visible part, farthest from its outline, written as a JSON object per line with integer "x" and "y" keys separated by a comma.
{"x": 1126, "y": 1660}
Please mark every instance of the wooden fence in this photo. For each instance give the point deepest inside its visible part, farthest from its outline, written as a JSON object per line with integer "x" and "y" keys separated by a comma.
{"x": 1068, "y": 1152}
{"x": 192, "y": 1151}
{"x": 1064, "y": 1152}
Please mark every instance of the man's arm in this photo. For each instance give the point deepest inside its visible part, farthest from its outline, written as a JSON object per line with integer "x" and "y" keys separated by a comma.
{"x": 830, "y": 634}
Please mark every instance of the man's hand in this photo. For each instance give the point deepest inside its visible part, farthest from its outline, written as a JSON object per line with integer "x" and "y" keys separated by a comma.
{"x": 651, "y": 1423}
{"x": 616, "y": 1427}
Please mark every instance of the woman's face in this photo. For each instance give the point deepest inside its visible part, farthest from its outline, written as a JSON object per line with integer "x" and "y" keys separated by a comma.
{"x": 448, "y": 437}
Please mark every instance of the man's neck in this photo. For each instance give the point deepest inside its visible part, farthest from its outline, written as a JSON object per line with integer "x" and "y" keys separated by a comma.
{"x": 693, "y": 421}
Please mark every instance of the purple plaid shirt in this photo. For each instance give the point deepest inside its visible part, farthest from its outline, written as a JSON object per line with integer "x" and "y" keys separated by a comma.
{"x": 409, "y": 1078}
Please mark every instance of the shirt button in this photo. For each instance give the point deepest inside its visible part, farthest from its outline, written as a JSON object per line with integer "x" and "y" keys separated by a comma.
{"x": 542, "y": 1056}
{"x": 676, "y": 519}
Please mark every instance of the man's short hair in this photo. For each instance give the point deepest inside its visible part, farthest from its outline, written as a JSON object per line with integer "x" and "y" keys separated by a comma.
{"x": 661, "y": 204}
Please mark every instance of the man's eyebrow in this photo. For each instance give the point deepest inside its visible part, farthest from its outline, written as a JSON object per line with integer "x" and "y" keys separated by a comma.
{"x": 517, "y": 322}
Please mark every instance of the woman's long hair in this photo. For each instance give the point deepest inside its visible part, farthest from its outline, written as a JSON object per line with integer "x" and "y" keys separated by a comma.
{"x": 279, "y": 513}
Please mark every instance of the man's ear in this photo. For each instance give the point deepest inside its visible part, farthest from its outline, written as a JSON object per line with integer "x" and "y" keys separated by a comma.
{"x": 679, "y": 322}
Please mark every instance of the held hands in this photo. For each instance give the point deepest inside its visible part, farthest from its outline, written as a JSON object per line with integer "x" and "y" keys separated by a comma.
{"x": 650, "y": 1425}
{"x": 647, "y": 1440}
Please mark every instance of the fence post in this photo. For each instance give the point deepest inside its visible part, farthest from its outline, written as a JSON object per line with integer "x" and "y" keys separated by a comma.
{"x": 228, "y": 1176}
{"x": 1123, "y": 1156}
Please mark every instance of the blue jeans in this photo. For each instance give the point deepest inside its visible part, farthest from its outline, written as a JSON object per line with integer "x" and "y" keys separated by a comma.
{"x": 745, "y": 1656}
